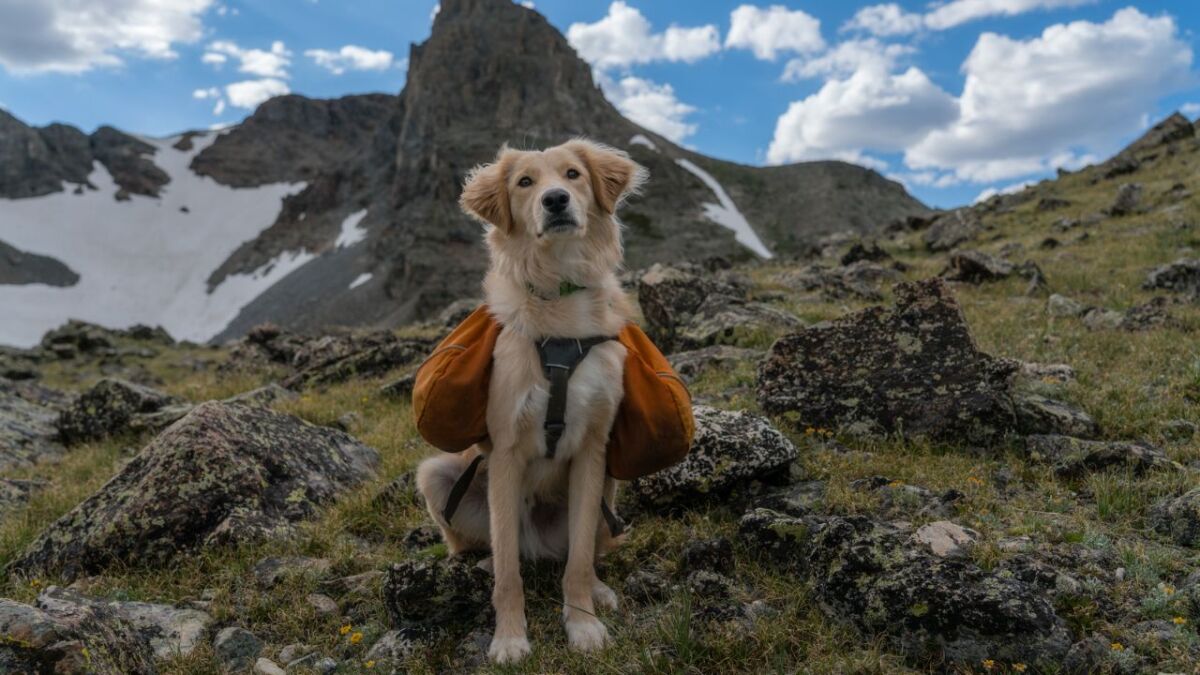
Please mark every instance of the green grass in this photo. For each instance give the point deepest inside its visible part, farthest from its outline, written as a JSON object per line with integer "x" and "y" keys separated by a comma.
{"x": 1132, "y": 383}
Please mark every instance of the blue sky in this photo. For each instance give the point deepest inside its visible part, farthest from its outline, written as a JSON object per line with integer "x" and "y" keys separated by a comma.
{"x": 954, "y": 98}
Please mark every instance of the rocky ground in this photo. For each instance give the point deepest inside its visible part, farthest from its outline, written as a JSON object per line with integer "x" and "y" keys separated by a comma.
{"x": 966, "y": 445}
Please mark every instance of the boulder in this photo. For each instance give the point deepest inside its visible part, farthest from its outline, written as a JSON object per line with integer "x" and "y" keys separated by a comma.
{"x": 1181, "y": 276}
{"x": 860, "y": 280}
{"x": 1150, "y": 315}
{"x": 1179, "y": 518}
{"x": 914, "y": 369}
{"x": 1040, "y": 415}
{"x": 267, "y": 396}
{"x": 1062, "y": 306}
{"x": 1127, "y": 201}
{"x": 28, "y": 413}
{"x": 14, "y": 492}
{"x": 430, "y": 596}
{"x": 236, "y": 648}
{"x": 946, "y": 539}
{"x": 337, "y": 358}
{"x": 723, "y": 319}
{"x": 670, "y": 294}
{"x": 169, "y": 630}
{"x": 1074, "y": 457}
{"x": 728, "y": 450}
{"x": 976, "y": 267}
{"x": 691, "y": 363}
{"x": 110, "y": 407}
{"x": 868, "y": 250}
{"x": 269, "y": 571}
{"x": 223, "y": 474}
{"x": 884, "y": 582}
{"x": 64, "y": 635}
{"x": 952, "y": 229}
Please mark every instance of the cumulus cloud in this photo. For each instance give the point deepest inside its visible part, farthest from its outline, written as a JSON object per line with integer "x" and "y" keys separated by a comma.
{"x": 846, "y": 58}
{"x": 885, "y": 20}
{"x": 891, "y": 19}
{"x": 624, "y": 37}
{"x": 651, "y": 105}
{"x": 249, "y": 94}
{"x": 872, "y": 109}
{"x": 350, "y": 57}
{"x": 768, "y": 32}
{"x": 1029, "y": 105}
{"x": 267, "y": 64}
{"x": 73, "y": 36}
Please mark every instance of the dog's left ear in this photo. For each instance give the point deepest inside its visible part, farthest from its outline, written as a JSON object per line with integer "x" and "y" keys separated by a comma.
{"x": 485, "y": 192}
{"x": 614, "y": 175}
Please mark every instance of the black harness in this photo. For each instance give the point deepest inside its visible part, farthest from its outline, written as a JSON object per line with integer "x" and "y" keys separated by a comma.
{"x": 559, "y": 357}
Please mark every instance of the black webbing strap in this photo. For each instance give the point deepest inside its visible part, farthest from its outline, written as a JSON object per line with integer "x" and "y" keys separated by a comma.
{"x": 559, "y": 358}
{"x": 460, "y": 489}
{"x": 615, "y": 525}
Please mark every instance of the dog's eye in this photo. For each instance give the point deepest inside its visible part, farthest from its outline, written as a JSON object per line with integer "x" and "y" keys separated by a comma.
{"x": 572, "y": 174}
{"x": 525, "y": 181}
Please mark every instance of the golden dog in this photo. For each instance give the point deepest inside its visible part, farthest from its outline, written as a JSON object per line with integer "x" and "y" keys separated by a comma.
{"x": 555, "y": 248}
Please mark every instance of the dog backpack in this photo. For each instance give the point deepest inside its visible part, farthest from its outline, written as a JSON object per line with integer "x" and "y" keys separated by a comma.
{"x": 652, "y": 431}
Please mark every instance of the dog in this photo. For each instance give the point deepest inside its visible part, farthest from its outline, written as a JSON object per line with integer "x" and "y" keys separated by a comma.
{"x": 555, "y": 248}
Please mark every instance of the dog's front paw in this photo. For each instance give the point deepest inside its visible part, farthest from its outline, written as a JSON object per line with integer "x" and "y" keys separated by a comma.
{"x": 508, "y": 650}
{"x": 603, "y": 596}
{"x": 586, "y": 634}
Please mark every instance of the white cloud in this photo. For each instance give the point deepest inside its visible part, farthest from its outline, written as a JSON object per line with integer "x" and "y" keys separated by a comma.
{"x": 219, "y": 107}
{"x": 527, "y": 4}
{"x": 73, "y": 36}
{"x": 211, "y": 92}
{"x": 624, "y": 37}
{"x": 846, "y": 58}
{"x": 651, "y": 105}
{"x": 767, "y": 32}
{"x": 270, "y": 64}
{"x": 872, "y": 109}
{"x": 959, "y": 12}
{"x": 885, "y": 20}
{"x": 1030, "y": 105}
{"x": 250, "y": 93}
{"x": 214, "y": 59}
{"x": 990, "y": 192}
{"x": 350, "y": 57}
{"x": 1190, "y": 109}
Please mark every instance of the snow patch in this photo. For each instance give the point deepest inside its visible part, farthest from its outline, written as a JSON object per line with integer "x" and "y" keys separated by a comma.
{"x": 143, "y": 260}
{"x": 639, "y": 139}
{"x": 725, "y": 213}
{"x": 360, "y": 280}
{"x": 351, "y": 233}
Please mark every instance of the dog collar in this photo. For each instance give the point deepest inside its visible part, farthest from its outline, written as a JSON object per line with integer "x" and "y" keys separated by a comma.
{"x": 565, "y": 288}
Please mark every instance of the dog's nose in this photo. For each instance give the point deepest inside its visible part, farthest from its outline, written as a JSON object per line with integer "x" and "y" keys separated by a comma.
{"x": 556, "y": 200}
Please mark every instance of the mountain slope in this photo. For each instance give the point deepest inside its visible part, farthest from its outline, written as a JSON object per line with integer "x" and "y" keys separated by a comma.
{"x": 491, "y": 72}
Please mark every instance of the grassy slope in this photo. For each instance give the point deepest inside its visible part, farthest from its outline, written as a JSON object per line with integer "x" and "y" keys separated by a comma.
{"x": 1131, "y": 383}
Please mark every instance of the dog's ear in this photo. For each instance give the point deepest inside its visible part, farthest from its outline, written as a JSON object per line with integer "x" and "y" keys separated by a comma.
{"x": 614, "y": 175}
{"x": 485, "y": 192}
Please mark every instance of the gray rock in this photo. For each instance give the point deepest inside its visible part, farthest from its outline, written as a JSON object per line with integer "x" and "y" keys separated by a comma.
{"x": 236, "y": 648}
{"x": 28, "y": 431}
{"x": 946, "y": 539}
{"x": 1062, "y": 306}
{"x": 691, "y": 363}
{"x": 729, "y": 449}
{"x": 645, "y": 587}
{"x": 1181, "y": 276}
{"x": 1179, "y": 431}
{"x": 914, "y": 369}
{"x": 295, "y": 651}
{"x": 437, "y": 595}
{"x": 65, "y": 635}
{"x": 1098, "y": 318}
{"x": 1179, "y": 518}
{"x": 876, "y": 578}
{"x": 1127, "y": 201}
{"x": 1074, "y": 457}
{"x": 264, "y": 397}
{"x": 951, "y": 229}
{"x": 713, "y": 555}
{"x": 722, "y": 319}
{"x": 1041, "y": 415}
{"x": 265, "y": 666}
{"x": 395, "y": 646}
{"x": 169, "y": 630}
{"x": 1059, "y": 373}
{"x": 14, "y": 492}
{"x": 110, "y": 407}
{"x": 400, "y": 387}
{"x": 323, "y": 604}
{"x": 858, "y": 280}
{"x": 977, "y": 267}
{"x": 797, "y": 499}
{"x": 268, "y": 572}
{"x": 325, "y": 665}
{"x": 261, "y": 472}
{"x": 1149, "y": 315}
{"x": 903, "y": 501}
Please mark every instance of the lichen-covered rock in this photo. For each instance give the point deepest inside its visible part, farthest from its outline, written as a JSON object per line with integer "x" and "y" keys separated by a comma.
{"x": 1074, "y": 457}
{"x": 946, "y": 539}
{"x": 713, "y": 555}
{"x": 16, "y": 491}
{"x": 1062, "y": 306}
{"x": 62, "y": 635}
{"x": 27, "y": 424}
{"x": 223, "y": 474}
{"x": 110, "y": 407}
{"x": 394, "y": 647}
{"x": 337, "y": 358}
{"x": 913, "y": 370}
{"x": 1127, "y": 201}
{"x": 169, "y": 630}
{"x": 860, "y": 279}
{"x": 236, "y": 648}
{"x": 437, "y": 595}
{"x": 933, "y": 610}
{"x": 949, "y": 230}
{"x": 269, "y": 571}
{"x": 645, "y": 586}
{"x": 1181, "y": 276}
{"x": 1149, "y": 315}
{"x": 689, "y": 364}
{"x": 975, "y": 267}
{"x": 1041, "y": 415}
{"x": 723, "y": 319}
{"x": 670, "y": 294}
{"x": 865, "y": 250}
{"x": 1179, "y": 518}
{"x": 267, "y": 396}
{"x": 729, "y": 448}
{"x": 901, "y": 500}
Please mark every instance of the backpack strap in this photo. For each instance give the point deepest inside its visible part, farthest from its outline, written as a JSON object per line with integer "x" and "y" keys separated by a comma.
{"x": 559, "y": 358}
{"x": 460, "y": 488}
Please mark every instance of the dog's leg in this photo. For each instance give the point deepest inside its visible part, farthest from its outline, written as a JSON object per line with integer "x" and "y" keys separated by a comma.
{"x": 585, "y": 632}
{"x": 436, "y": 476}
{"x": 603, "y": 596}
{"x": 509, "y": 643}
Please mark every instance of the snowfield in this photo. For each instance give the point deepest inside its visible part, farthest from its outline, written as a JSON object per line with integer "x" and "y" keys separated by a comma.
{"x": 725, "y": 213}
{"x": 144, "y": 260}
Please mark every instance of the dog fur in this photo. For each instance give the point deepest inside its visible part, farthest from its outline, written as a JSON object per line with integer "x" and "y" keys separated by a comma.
{"x": 522, "y": 505}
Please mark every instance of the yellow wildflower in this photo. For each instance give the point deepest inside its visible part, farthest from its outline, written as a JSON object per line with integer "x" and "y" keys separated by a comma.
{"x": 1179, "y": 621}
{"x": 344, "y": 629}
{"x": 35, "y": 583}
{"x": 988, "y": 664}
{"x": 896, "y": 484}
{"x": 809, "y": 431}
{"x": 369, "y": 664}
{"x": 1019, "y": 667}
{"x": 1118, "y": 647}
{"x": 356, "y": 638}
{"x": 974, "y": 480}
{"x": 1168, "y": 589}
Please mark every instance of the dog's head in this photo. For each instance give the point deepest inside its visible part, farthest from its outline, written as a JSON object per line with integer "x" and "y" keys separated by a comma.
{"x": 561, "y": 192}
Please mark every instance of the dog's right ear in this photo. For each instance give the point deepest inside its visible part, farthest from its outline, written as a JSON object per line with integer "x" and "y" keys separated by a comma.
{"x": 485, "y": 192}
